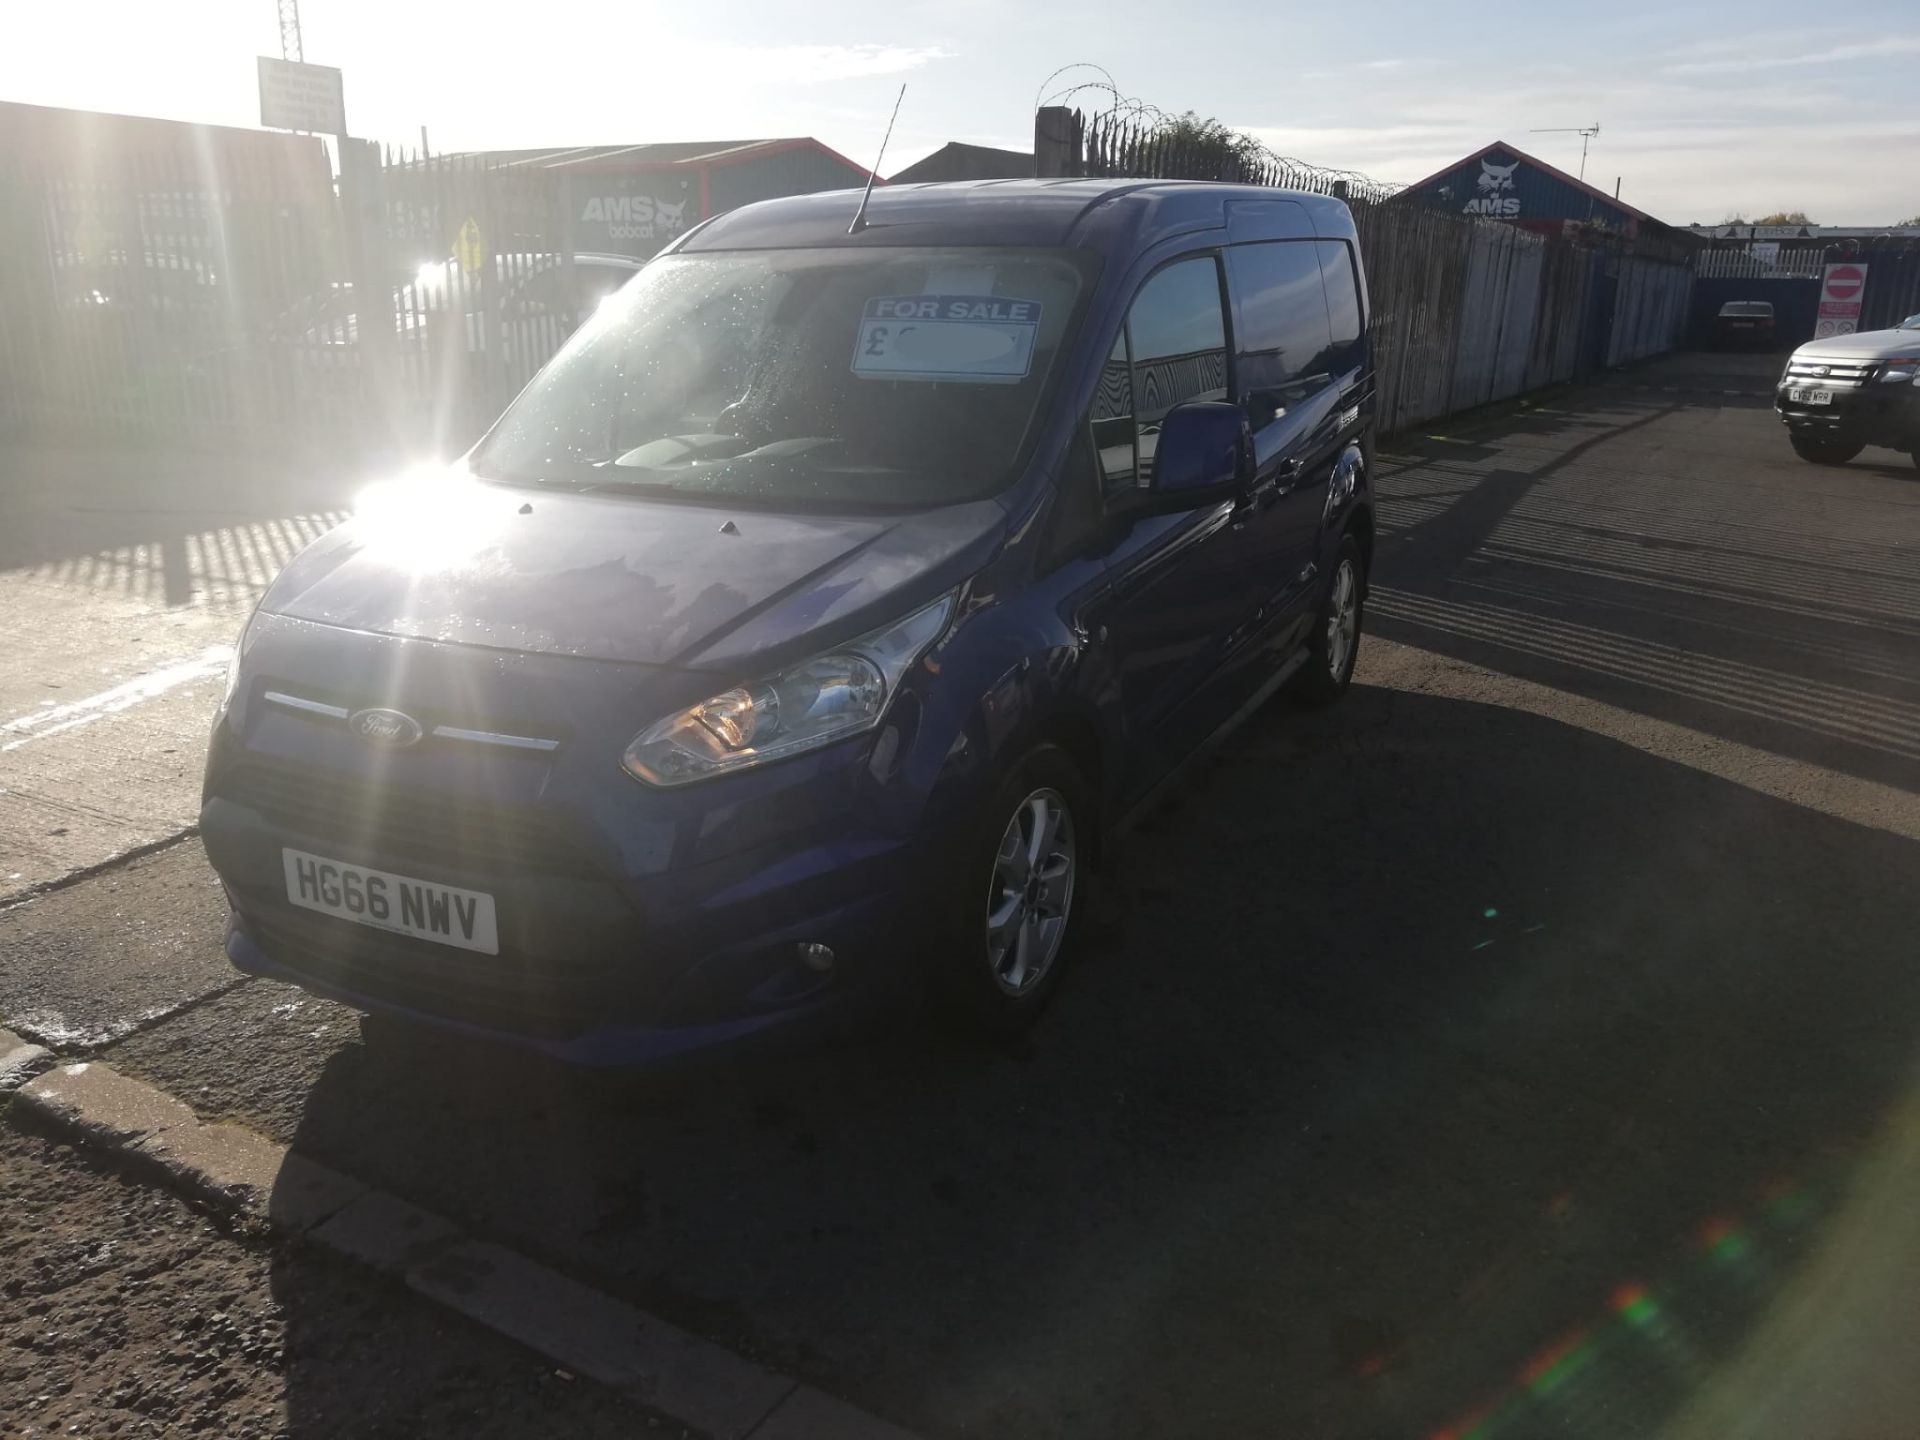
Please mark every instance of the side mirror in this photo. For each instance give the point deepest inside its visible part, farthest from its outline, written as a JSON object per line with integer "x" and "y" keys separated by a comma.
{"x": 1200, "y": 456}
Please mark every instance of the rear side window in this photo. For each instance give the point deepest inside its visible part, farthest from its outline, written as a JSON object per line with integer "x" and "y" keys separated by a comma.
{"x": 1343, "y": 304}
{"x": 1172, "y": 349}
{"x": 1286, "y": 339}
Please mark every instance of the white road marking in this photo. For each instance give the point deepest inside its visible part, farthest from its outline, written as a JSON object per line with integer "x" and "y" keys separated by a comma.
{"x": 54, "y": 719}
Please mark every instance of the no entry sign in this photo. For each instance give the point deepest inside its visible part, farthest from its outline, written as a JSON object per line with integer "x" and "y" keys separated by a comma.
{"x": 1840, "y": 291}
{"x": 1845, "y": 282}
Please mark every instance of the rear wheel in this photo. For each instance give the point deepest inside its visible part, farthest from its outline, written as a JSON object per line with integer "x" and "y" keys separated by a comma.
{"x": 1335, "y": 645}
{"x": 1824, "y": 452}
{"x": 1019, "y": 891}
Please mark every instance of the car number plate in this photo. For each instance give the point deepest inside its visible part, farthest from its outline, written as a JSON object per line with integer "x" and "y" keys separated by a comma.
{"x": 1810, "y": 397}
{"x": 402, "y": 904}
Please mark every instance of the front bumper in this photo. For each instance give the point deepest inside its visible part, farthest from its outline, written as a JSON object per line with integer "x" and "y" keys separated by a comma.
{"x": 617, "y": 1043}
{"x": 597, "y": 964}
{"x": 1873, "y": 414}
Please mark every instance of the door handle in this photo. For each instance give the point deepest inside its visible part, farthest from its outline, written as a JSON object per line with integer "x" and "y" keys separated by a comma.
{"x": 1263, "y": 493}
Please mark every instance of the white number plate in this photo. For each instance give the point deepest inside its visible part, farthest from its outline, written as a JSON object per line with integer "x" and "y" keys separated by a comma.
{"x": 1810, "y": 397}
{"x": 386, "y": 901}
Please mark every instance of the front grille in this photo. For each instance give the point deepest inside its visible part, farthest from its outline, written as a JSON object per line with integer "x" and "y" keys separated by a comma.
{"x": 400, "y": 822}
{"x": 1837, "y": 374}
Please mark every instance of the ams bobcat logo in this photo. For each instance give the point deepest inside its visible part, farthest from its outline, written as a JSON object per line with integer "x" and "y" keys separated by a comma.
{"x": 635, "y": 217}
{"x": 1496, "y": 195}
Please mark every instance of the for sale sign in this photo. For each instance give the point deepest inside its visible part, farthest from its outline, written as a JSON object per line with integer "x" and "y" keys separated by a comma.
{"x": 1840, "y": 291}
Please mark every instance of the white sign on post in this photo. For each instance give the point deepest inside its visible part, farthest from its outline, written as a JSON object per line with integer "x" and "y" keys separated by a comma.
{"x": 297, "y": 96}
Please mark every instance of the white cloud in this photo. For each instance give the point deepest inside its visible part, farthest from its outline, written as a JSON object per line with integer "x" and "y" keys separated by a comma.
{"x": 1834, "y": 54}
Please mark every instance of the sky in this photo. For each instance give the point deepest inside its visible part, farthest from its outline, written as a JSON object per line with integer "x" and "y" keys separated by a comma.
{"x": 1706, "y": 108}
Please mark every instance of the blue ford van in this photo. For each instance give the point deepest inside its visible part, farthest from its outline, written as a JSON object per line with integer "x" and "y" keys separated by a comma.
{"x": 794, "y": 638}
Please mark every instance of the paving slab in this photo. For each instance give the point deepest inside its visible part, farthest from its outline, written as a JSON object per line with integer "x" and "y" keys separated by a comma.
{"x": 90, "y": 963}
{"x": 252, "y": 1053}
{"x": 126, "y": 579}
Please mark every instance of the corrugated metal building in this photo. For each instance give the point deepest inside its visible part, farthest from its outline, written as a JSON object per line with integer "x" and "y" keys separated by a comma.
{"x": 633, "y": 199}
{"x": 959, "y": 161}
{"x": 1503, "y": 182}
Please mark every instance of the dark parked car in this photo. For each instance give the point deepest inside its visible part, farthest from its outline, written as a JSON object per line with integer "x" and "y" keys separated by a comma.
{"x": 1840, "y": 395}
{"x": 795, "y": 637}
{"x": 1744, "y": 325}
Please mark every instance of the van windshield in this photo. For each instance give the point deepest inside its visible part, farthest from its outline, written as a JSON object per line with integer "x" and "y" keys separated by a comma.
{"x": 878, "y": 378}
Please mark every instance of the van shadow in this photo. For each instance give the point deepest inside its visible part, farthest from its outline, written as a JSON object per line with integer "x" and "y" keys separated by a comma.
{"x": 1427, "y": 1050}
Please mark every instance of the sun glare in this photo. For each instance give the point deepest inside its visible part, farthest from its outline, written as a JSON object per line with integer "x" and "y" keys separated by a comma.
{"x": 427, "y": 516}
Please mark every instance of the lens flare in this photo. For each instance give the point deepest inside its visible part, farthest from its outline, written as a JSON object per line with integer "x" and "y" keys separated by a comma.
{"x": 429, "y": 516}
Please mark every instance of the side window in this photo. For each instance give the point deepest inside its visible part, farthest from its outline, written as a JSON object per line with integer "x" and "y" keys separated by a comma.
{"x": 1173, "y": 349}
{"x": 1286, "y": 341}
{"x": 1343, "y": 303}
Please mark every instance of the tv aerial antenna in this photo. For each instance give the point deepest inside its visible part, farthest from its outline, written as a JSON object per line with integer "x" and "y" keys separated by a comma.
{"x": 860, "y": 215}
{"x": 1586, "y": 134}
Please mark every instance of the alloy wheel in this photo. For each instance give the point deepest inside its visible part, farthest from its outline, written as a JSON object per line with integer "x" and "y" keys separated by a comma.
{"x": 1343, "y": 619}
{"x": 1031, "y": 896}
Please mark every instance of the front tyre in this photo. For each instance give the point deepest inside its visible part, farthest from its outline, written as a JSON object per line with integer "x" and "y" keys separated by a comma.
{"x": 1335, "y": 645}
{"x": 1824, "y": 452}
{"x": 1020, "y": 887}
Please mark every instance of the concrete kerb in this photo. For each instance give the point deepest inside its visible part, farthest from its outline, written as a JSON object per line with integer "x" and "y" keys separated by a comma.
{"x": 20, "y": 1060}
{"x": 688, "y": 1380}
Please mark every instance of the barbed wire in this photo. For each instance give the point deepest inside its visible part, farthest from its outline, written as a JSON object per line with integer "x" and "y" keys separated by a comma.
{"x": 1120, "y": 103}
{"x": 1247, "y": 149}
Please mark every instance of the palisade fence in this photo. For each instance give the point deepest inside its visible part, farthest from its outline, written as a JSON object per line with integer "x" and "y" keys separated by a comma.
{"x": 235, "y": 296}
{"x": 146, "y": 291}
{"x": 1781, "y": 262}
{"x": 1465, "y": 311}
{"x": 469, "y": 325}
{"x": 1115, "y": 145}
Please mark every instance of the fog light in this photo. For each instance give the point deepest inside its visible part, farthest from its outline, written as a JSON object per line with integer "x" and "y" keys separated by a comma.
{"x": 816, "y": 957}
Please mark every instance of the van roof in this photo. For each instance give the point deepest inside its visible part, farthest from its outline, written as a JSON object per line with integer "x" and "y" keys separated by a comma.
{"x": 1100, "y": 214}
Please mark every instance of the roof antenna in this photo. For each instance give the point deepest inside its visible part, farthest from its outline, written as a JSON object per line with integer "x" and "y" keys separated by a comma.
{"x": 860, "y": 215}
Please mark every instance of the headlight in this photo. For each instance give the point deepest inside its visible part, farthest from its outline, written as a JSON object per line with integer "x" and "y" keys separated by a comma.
{"x": 233, "y": 666}
{"x": 1898, "y": 370}
{"x": 836, "y": 694}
